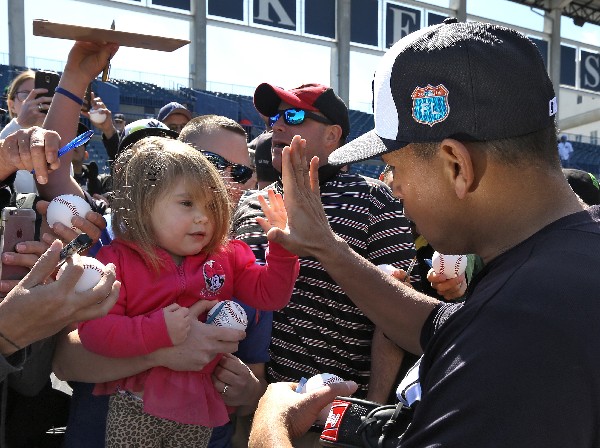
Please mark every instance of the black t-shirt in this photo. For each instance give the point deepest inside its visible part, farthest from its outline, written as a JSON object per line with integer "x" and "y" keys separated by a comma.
{"x": 518, "y": 364}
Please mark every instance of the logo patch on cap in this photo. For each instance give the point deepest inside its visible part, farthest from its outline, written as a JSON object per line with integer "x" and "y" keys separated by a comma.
{"x": 430, "y": 104}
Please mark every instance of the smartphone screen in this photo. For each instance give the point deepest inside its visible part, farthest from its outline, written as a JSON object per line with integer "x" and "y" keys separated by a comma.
{"x": 18, "y": 224}
{"x": 46, "y": 80}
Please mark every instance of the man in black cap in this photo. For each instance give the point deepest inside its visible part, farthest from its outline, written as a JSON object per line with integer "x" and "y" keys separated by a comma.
{"x": 321, "y": 330}
{"x": 119, "y": 123}
{"x": 465, "y": 116}
{"x": 265, "y": 173}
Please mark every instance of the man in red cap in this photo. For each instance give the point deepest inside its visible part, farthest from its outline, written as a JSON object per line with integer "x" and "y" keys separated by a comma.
{"x": 312, "y": 108}
{"x": 321, "y": 331}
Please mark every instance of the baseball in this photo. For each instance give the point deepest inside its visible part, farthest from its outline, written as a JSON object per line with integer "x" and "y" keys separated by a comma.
{"x": 231, "y": 315}
{"x": 387, "y": 268}
{"x": 449, "y": 265}
{"x": 92, "y": 273}
{"x": 64, "y": 208}
{"x": 316, "y": 382}
{"x": 96, "y": 116}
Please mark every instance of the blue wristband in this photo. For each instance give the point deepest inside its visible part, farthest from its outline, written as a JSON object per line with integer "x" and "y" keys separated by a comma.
{"x": 70, "y": 95}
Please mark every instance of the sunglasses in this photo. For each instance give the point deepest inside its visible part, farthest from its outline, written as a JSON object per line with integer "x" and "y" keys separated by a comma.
{"x": 294, "y": 117}
{"x": 239, "y": 173}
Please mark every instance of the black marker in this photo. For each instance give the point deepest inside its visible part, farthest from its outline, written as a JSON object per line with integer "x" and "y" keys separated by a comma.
{"x": 79, "y": 244}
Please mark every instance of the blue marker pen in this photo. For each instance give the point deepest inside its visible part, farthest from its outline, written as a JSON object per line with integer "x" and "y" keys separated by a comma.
{"x": 428, "y": 261}
{"x": 211, "y": 317}
{"x": 75, "y": 143}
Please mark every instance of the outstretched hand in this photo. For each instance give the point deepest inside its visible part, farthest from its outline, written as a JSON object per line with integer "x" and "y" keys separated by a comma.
{"x": 87, "y": 59}
{"x": 27, "y": 253}
{"x": 92, "y": 224}
{"x": 283, "y": 413}
{"x": 275, "y": 212}
{"x": 107, "y": 127}
{"x": 50, "y": 306}
{"x": 308, "y": 229}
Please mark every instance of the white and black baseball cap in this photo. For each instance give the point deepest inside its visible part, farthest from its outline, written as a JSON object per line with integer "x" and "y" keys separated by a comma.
{"x": 470, "y": 81}
{"x": 146, "y": 127}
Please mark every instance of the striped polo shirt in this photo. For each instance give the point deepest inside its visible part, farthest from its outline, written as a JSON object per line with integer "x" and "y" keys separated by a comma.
{"x": 321, "y": 330}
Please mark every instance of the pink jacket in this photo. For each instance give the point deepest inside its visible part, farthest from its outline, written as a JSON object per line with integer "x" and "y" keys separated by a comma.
{"x": 136, "y": 326}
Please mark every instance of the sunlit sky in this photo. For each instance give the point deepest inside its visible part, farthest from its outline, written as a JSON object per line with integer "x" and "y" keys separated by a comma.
{"x": 240, "y": 58}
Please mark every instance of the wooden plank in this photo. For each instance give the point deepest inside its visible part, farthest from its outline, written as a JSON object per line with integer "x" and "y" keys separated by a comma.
{"x": 87, "y": 34}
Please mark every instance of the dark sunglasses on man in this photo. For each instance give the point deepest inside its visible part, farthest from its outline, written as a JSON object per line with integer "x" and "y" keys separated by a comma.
{"x": 294, "y": 117}
{"x": 239, "y": 173}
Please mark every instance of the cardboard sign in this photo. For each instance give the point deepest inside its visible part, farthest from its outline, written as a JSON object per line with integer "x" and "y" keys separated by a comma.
{"x": 87, "y": 34}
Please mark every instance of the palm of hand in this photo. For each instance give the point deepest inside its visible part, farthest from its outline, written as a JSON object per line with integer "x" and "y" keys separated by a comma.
{"x": 274, "y": 210}
{"x": 277, "y": 218}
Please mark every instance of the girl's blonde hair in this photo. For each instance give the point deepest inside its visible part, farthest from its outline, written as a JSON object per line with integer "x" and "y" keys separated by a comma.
{"x": 149, "y": 169}
{"x": 16, "y": 83}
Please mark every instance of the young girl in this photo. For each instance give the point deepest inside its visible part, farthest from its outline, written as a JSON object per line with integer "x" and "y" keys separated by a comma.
{"x": 171, "y": 218}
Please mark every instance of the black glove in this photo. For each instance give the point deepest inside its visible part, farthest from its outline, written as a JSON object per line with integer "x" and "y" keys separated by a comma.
{"x": 360, "y": 423}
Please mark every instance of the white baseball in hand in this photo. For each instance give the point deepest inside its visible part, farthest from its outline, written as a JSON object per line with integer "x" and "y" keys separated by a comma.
{"x": 65, "y": 207}
{"x": 96, "y": 116}
{"x": 316, "y": 382}
{"x": 449, "y": 265}
{"x": 387, "y": 268}
{"x": 228, "y": 314}
{"x": 92, "y": 273}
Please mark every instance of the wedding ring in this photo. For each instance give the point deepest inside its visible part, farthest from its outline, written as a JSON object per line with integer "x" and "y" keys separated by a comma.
{"x": 225, "y": 389}
{"x": 40, "y": 107}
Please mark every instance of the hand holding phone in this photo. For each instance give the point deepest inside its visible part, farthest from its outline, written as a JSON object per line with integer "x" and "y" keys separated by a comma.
{"x": 18, "y": 225}
{"x": 46, "y": 80}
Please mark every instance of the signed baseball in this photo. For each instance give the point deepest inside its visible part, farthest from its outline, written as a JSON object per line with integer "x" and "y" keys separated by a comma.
{"x": 320, "y": 380}
{"x": 229, "y": 314}
{"x": 92, "y": 273}
{"x": 64, "y": 208}
{"x": 449, "y": 265}
{"x": 316, "y": 382}
{"x": 96, "y": 116}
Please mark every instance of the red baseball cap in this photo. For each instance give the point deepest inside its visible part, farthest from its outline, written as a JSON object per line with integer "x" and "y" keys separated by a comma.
{"x": 313, "y": 97}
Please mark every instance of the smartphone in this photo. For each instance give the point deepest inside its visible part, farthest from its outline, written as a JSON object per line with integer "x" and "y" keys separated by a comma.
{"x": 18, "y": 225}
{"x": 46, "y": 80}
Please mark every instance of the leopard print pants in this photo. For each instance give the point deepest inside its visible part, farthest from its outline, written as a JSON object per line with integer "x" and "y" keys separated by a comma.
{"x": 128, "y": 426}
